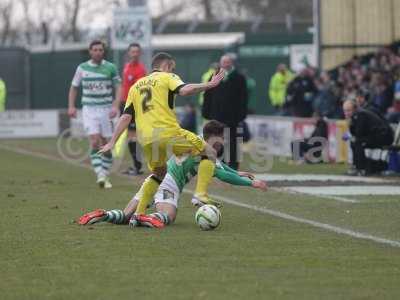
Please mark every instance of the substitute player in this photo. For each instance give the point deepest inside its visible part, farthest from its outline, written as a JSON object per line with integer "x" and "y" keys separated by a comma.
{"x": 151, "y": 100}
{"x": 100, "y": 82}
{"x": 180, "y": 171}
{"x": 134, "y": 69}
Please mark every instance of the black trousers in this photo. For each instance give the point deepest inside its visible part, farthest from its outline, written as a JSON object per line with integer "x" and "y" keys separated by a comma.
{"x": 360, "y": 161}
{"x": 235, "y": 141}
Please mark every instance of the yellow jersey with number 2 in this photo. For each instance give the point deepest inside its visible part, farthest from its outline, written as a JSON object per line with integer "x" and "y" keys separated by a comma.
{"x": 152, "y": 100}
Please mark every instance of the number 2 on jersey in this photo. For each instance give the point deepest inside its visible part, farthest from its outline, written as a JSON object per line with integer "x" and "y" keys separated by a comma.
{"x": 146, "y": 93}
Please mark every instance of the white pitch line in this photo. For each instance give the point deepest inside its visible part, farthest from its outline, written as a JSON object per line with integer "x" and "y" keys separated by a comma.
{"x": 337, "y": 198}
{"x": 320, "y": 177}
{"x": 353, "y": 190}
{"x": 288, "y": 190}
{"x": 328, "y": 227}
{"x": 271, "y": 212}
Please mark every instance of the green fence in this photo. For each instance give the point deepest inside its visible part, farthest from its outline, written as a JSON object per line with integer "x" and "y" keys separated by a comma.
{"x": 51, "y": 72}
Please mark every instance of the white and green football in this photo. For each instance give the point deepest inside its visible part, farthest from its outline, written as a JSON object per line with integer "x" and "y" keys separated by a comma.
{"x": 208, "y": 217}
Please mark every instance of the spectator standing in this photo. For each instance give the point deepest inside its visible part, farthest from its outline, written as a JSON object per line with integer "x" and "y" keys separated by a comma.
{"x": 214, "y": 66}
{"x": 251, "y": 92}
{"x": 300, "y": 94}
{"x": 326, "y": 101}
{"x": 227, "y": 103}
{"x": 368, "y": 130}
{"x": 278, "y": 86}
{"x": 134, "y": 69}
{"x": 3, "y": 95}
{"x": 362, "y": 102}
{"x": 382, "y": 95}
{"x": 393, "y": 114}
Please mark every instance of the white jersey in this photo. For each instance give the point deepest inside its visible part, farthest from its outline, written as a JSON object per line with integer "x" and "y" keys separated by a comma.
{"x": 97, "y": 82}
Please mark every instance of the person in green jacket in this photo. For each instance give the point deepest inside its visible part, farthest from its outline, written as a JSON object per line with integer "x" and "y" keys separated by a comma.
{"x": 3, "y": 94}
{"x": 278, "y": 85}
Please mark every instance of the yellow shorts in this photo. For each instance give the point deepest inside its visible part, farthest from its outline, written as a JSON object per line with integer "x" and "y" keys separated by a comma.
{"x": 183, "y": 142}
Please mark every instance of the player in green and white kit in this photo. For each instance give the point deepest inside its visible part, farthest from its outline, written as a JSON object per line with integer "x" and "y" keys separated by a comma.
{"x": 180, "y": 171}
{"x": 100, "y": 84}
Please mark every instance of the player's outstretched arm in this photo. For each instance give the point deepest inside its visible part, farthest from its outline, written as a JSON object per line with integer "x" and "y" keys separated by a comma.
{"x": 122, "y": 124}
{"x": 259, "y": 184}
{"x": 195, "y": 88}
{"x": 233, "y": 177}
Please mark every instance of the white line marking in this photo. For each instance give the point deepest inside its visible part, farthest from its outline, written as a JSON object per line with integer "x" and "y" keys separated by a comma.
{"x": 328, "y": 227}
{"x": 275, "y": 213}
{"x": 352, "y": 190}
{"x": 341, "y": 199}
{"x": 321, "y": 177}
{"x": 288, "y": 190}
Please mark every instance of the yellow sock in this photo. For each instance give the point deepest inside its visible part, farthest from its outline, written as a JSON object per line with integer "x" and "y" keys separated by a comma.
{"x": 204, "y": 176}
{"x": 148, "y": 189}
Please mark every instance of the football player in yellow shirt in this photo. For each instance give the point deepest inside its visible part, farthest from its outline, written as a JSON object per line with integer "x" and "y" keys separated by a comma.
{"x": 151, "y": 101}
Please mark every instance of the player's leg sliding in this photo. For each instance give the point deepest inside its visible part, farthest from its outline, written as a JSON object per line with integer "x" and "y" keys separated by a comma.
{"x": 106, "y": 164}
{"x": 204, "y": 177}
{"x": 154, "y": 220}
{"x": 96, "y": 161}
{"x": 162, "y": 216}
{"x": 115, "y": 216}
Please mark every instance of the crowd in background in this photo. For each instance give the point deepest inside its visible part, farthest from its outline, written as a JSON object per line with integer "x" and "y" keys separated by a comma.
{"x": 374, "y": 77}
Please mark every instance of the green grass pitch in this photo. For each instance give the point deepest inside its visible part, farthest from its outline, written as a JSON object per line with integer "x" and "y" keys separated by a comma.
{"x": 45, "y": 255}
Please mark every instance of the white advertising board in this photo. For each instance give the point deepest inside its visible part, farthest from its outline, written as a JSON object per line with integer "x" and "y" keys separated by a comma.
{"x": 302, "y": 56}
{"x": 271, "y": 135}
{"x": 29, "y": 123}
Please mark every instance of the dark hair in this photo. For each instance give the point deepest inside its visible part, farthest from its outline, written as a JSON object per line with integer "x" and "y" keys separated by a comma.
{"x": 137, "y": 45}
{"x": 213, "y": 128}
{"x": 159, "y": 58}
{"x": 96, "y": 42}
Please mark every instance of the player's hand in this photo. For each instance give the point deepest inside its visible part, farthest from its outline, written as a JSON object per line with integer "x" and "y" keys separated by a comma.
{"x": 72, "y": 112}
{"x": 113, "y": 112}
{"x": 259, "y": 184}
{"x": 106, "y": 148}
{"x": 246, "y": 174}
{"x": 216, "y": 79}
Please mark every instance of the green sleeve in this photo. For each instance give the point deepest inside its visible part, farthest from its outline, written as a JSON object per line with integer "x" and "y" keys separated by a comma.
{"x": 227, "y": 168}
{"x": 231, "y": 177}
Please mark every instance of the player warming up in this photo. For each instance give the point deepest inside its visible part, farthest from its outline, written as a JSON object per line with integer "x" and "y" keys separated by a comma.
{"x": 97, "y": 77}
{"x": 151, "y": 101}
{"x": 180, "y": 172}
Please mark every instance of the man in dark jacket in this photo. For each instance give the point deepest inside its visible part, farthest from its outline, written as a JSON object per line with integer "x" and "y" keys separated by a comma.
{"x": 300, "y": 95}
{"x": 227, "y": 104}
{"x": 368, "y": 130}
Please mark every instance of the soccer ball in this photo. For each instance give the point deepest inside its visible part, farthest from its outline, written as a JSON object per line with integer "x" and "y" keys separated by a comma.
{"x": 208, "y": 217}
